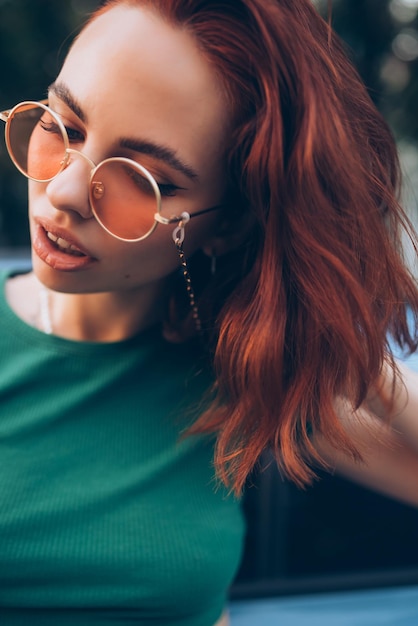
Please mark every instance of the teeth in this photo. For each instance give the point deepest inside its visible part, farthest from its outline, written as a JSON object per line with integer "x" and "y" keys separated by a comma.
{"x": 64, "y": 245}
{"x": 51, "y": 236}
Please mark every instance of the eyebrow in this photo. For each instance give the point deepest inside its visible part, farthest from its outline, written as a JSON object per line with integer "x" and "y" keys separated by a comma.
{"x": 158, "y": 151}
{"x": 63, "y": 93}
{"x": 161, "y": 153}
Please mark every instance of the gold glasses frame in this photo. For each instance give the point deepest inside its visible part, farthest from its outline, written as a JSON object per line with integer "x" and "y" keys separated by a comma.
{"x": 94, "y": 186}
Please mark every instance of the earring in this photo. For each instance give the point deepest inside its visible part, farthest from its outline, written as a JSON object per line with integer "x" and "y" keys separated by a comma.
{"x": 178, "y": 238}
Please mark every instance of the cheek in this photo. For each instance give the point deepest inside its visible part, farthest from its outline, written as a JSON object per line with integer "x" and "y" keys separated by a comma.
{"x": 149, "y": 259}
{"x": 44, "y": 157}
{"x": 35, "y": 190}
{"x": 157, "y": 256}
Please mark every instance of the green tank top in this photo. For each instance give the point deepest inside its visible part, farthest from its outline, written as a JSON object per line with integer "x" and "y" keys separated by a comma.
{"x": 107, "y": 515}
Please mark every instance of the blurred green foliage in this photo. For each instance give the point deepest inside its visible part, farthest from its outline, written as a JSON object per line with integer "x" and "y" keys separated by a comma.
{"x": 381, "y": 37}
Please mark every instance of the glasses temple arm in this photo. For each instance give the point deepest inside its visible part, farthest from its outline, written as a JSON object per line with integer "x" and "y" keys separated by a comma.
{"x": 203, "y": 211}
{"x": 177, "y": 218}
{"x": 4, "y": 115}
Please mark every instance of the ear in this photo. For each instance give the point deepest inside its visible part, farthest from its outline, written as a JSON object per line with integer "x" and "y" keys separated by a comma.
{"x": 229, "y": 235}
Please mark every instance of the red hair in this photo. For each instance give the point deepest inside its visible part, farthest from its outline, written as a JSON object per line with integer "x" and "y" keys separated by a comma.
{"x": 321, "y": 282}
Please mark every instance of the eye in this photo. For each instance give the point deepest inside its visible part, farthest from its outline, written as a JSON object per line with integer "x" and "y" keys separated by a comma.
{"x": 141, "y": 183}
{"x": 167, "y": 189}
{"x": 52, "y": 127}
{"x": 74, "y": 135}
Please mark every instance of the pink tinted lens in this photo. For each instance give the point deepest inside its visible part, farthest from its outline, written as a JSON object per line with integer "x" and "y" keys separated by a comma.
{"x": 123, "y": 199}
{"x": 36, "y": 143}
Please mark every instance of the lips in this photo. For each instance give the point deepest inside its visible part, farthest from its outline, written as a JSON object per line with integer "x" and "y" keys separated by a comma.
{"x": 59, "y": 250}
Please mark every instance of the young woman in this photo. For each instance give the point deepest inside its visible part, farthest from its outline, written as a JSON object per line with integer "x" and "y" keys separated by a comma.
{"x": 216, "y": 270}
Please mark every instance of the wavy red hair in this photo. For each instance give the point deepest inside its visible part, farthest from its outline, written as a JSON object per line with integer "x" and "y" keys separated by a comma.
{"x": 320, "y": 281}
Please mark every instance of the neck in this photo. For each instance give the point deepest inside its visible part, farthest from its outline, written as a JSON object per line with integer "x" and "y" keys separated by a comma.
{"x": 102, "y": 317}
{"x": 97, "y": 317}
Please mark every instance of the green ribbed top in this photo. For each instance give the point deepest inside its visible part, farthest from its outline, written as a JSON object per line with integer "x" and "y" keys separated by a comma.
{"x": 106, "y": 517}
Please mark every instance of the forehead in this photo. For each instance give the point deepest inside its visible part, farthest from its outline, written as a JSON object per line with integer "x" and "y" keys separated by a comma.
{"x": 132, "y": 66}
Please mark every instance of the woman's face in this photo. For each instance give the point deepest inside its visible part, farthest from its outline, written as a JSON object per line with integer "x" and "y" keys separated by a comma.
{"x": 130, "y": 80}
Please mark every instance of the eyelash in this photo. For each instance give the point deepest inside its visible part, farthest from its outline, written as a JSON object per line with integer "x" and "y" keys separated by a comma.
{"x": 167, "y": 190}
{"x": 73, "y": 135}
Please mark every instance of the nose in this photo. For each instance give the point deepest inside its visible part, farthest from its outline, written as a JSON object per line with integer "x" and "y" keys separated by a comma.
{"x": 69, "y": 190}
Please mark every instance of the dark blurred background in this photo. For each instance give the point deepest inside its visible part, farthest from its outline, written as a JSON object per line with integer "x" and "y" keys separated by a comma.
{"x": 381, "y": 37}
{"x": 34, "y": 38}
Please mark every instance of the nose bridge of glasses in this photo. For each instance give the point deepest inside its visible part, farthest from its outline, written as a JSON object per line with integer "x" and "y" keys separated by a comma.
{"x": 70, "y": 151}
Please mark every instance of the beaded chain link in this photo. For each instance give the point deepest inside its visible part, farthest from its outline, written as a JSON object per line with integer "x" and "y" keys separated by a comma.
{"x": 189, "y": 288}
{"x": 178, "y": 238}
